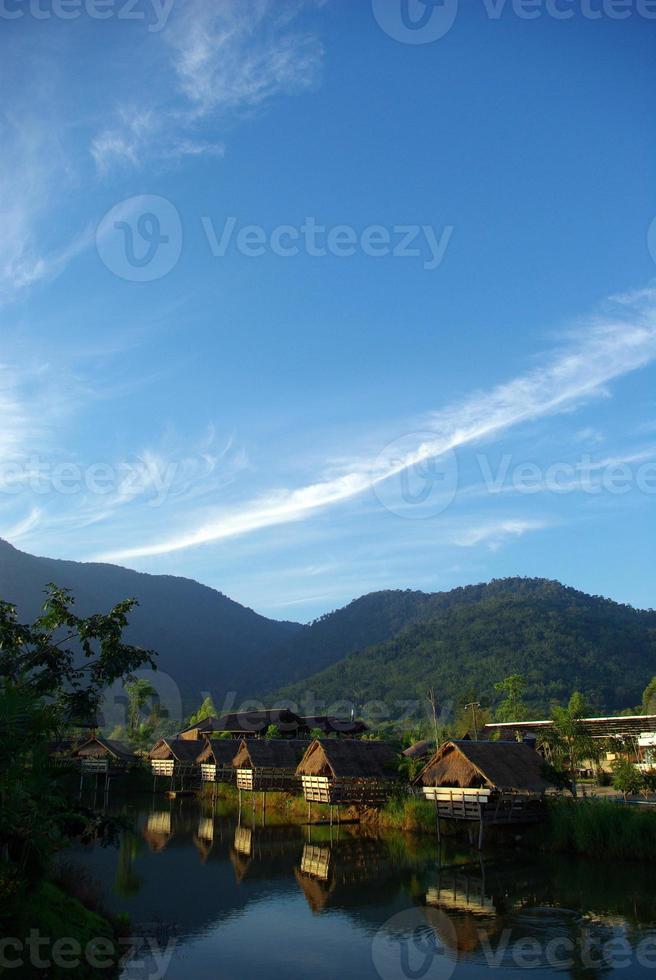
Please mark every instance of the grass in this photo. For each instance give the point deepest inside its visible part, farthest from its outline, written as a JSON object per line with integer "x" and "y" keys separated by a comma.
{"x": 408, "y": 813}
{"x": 55, "y": 915}
{"x": 599, "y": 828}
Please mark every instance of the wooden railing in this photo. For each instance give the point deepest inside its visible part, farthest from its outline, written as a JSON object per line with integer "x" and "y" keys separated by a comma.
{"x": 322, "y": 789}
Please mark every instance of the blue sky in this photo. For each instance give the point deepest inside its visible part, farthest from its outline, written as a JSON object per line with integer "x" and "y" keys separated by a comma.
{"x": 302, "y": 310}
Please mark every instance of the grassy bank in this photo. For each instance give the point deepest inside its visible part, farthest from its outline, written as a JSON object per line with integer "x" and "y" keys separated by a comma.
{"x": 599, "y": 828}
{"x": 74, "y": 941}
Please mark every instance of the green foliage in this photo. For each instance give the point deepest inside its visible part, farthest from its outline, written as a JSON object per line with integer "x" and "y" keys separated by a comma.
{"x": 273, "y": 732}
{"x": 512, "y": 707}
{"x": 566, "y": 744}
{"x": 206, "y": 710}
{"x": 139, "y": 692}
{"x": 50, "y": 673}
{"x": 600, "y": 829}
{"x": 626, "y": 778}
{"x": 649, "y": 698}
{"x": 558, "y": 639}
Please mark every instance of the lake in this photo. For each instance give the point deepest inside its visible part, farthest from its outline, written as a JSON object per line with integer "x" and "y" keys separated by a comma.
{"x": 213, "y": 898}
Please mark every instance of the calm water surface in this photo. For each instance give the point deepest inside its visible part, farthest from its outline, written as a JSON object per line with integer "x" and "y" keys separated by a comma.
{"x": 214, "y": 899}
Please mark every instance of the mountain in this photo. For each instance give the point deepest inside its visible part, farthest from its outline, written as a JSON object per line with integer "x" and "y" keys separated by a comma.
{"x": 462, "y": 642}
{"x": 205, "y": 641}
{"x": 389, "y": 646}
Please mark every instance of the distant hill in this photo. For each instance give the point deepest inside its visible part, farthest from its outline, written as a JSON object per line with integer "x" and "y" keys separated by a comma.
{"x": 462, "y": 642}
{"x": 205, "y": 641}
{"x": 388, "y": 645}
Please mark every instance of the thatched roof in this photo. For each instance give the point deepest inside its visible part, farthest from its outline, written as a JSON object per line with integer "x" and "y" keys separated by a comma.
{"x": 270, "y": 753}
{"x": 352, "y": 757}
{"x": 220, "y": 751}
{"x": 331, "y": 725}
{"x": 419, "y": 749}
{"x": 98, "y": 747}
{"x": 494, "y": 765}
{"x": 181, "y": 750}
{"x": 245, "y": 723}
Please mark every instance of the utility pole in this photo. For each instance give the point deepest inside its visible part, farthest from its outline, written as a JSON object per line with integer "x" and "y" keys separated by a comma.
{"x": 474, "y": 705}
{"x": 431, "y": 698}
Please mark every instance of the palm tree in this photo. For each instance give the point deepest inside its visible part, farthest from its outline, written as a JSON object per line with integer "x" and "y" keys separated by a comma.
{"x": 566, "y": 744}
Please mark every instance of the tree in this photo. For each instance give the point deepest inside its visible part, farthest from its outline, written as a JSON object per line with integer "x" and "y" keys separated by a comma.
{"x": 206, "y": 710}
{"x": 649, "y": 698}
{"x": 628, "y": 780}
{"x": 566, "y": 743}
{"x": 139, "y": 692}
{"x": 512, "y": 707}
{"x": 273, "y": 732}
{"x": 52, "y": 676}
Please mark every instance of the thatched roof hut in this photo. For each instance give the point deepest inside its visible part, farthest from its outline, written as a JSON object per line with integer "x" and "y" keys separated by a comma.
{"x": 348, "y": 771}
{"x": 331, "y": 725}
{"x": 268, "y": 763}
{"x": 177, "y": 749}
{"x": 215, "y": 759}
{"x": 498, "y": 766}
{"x": 220, "y": 751}
{"x": 98, "y": 747}
{"x": 350, "y": 758}
{"x": 244, "y": 724}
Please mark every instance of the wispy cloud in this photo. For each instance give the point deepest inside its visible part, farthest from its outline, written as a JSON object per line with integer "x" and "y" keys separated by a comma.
{"x": 494, "y": 533}
{"x": 577, "y": 371}
{"x": 220, "y": 60}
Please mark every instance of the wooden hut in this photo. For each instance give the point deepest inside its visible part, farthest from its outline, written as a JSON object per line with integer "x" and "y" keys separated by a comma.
{"x": 351, "y": 771}
{"x": 102, "y": 755}
{"x": 215, "y": 760}
{"x": 332, "y": 725}
{"x": 246, "y": 724}
{"x": 487, "y": 782}
{"x": 268, "y": 764}
{"x": 174, "y": 758}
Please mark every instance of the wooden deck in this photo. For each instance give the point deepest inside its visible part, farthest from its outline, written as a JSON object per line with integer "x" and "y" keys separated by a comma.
{"x": 484, "y": 805}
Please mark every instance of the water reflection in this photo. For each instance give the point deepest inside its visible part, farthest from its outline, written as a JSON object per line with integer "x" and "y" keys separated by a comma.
{"x": 246, "y": 899}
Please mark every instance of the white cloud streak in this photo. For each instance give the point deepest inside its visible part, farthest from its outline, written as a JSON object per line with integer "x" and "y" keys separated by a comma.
{"x": 495, "y": 532}
{"x": 219, "y": 60}
{"x": 603, "y": 352}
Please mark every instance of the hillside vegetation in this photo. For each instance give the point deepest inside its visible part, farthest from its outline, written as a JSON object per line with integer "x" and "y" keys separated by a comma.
{"x": 466, "y": 640}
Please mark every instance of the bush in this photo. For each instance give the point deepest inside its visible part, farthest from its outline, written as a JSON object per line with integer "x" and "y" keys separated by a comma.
{"x": 626, "y": 778}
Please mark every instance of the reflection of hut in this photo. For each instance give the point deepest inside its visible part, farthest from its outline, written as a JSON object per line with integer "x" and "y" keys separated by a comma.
{"x": 216, "y": 760}
{"x": 348, "y": 771}
{"x": 486, "y": 782}
{"x": 244, "y": 840}
{"x": 102, "y": 755}
{"x": 158, "y": 832}
{"x": 335, "y": 870}
{"x": 204, "y": 837}
{"x": 173, "y": 757}
{"x": 268, "y": 764}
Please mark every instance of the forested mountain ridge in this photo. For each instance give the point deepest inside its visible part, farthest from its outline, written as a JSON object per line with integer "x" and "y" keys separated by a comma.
{"x": 468, "y": 639}
{"x": 204, "y": 640}
{"x": 385, "y": 645}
